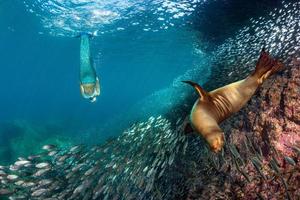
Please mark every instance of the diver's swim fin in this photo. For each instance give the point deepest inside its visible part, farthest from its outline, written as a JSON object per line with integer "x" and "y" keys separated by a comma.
{"x": 203, "y": 94}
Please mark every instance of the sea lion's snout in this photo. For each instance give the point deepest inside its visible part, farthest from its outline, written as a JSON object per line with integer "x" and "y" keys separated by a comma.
{"x": 216, "y": 141}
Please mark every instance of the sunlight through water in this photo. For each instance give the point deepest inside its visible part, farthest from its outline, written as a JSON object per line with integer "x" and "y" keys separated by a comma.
{"x": 69, "y": 17}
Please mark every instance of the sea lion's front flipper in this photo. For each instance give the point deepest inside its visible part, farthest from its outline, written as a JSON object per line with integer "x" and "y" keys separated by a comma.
{"x": 203, "y": 94}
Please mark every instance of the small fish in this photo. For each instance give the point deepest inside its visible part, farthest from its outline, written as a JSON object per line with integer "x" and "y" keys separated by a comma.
{"x": 4, "y": 191}
{"x": 250, "y": 143}
{"x": 171, "y": 159}
{"x": 41, "y": 172}
{"x": 297, "y": 150}
{"x": 215, "y": 162}
{"x": 34, "y": 157}
{"x": 290, "y": 160}
{"x": 52, "y": 153}
{"x": 81, "y": 188}
{"x": 185, "y": 147}
{"x": 14, "y": 168}
{"x": 70, "y": 174}
{"x": 49, "y": 147}
{"x": 19, "y": 183}
{"x": 42, "y": 165}
{"x": 145, "y": 169}
{"x": 286, "y": 188}
{"x": 62, "y": 158}
{"x": 75, "y": 148}
{"x": 234, "y": 151}
{"x": 97, "y": 191}
{"x": 275, "y": 160}
{"x": 245, "y": 176}
{"x": 12, "y": 177}
{"x": 274, "y": 166}
{"x": 257, "y": 165}
{"x": 39, "y": 192}
{"x": 90, "y": 171}
{"x": 2, "y": 173}
{"x": 259, "y": 153}
{"x": 22, "y": 162}
{"x": 76, "y": 168}
{"x": 28, "y": 184}
{"x": 44, "y": 182}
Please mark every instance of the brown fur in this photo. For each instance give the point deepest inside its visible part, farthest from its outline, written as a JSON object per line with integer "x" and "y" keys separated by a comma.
{"x": 214, "y": 107}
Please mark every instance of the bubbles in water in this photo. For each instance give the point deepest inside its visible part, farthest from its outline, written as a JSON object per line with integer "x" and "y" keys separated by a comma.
{"x": 70, "y": 17}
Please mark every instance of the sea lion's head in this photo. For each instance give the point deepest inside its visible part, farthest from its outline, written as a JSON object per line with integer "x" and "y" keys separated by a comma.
{"x": 90, "y": 90}
{"x": 216, "y": 141}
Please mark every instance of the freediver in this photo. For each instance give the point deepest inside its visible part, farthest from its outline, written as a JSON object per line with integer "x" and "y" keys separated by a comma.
{"x": 89, "y": 82}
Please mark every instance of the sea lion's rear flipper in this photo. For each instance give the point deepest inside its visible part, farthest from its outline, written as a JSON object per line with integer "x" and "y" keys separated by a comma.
{"x": 266, "y": 66}
{"x": 203, "y": 94}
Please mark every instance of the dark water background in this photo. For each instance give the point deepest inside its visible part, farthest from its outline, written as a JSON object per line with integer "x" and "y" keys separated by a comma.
{"x": 40, "y": 98}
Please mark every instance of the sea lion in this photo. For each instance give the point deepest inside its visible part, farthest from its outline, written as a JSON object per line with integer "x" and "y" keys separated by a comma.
{"x": 211, "y": 108}
{"x": 89, "y": 82}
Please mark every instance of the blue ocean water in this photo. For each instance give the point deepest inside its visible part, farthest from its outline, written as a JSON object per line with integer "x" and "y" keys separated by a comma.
{"x": 42, "y": 69}
{"x": 134, "y": 52}
{"x": 141, "y": 49}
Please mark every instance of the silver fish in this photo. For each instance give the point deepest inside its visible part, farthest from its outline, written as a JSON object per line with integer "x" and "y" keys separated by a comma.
{"x": 39, "y": 192}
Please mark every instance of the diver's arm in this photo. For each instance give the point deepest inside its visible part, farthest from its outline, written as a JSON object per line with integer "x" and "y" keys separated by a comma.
{"x": 97, "y": 86}
{"x": 81, "y": 90}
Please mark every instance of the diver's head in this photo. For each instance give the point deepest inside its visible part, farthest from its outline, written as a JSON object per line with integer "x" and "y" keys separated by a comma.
{"x": 215, "y": 141}
{"x": 90, "y": 90}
